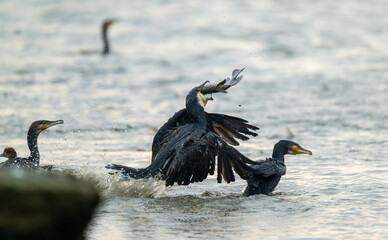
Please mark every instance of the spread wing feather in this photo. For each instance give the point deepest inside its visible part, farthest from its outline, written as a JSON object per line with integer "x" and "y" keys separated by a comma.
{"x": 229, "y": 127}
{"x": 192, "y": 161}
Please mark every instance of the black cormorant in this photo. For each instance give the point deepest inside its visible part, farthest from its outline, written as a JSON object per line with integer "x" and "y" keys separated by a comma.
{"x": 186, "y": 147}
{"x": 104, "y": 30}
{"x": 105, "y": 42}
{"x": 266, "y": 174}
{"x": 32, "y": 139}
{"x": 228, "y": 127}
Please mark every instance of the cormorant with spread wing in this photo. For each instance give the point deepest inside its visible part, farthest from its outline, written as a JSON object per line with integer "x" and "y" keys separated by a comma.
{"x": 185, "y": 149}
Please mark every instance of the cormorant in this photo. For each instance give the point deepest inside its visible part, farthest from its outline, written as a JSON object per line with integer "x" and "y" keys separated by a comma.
{"x": 104, "y": 35}
{"x": 266, "y": 174}
{"x": 32, "y": 139}
{"x": 186, "y": 147}
{"x": 105, "y": 25}
{"x": 228, "y": 127}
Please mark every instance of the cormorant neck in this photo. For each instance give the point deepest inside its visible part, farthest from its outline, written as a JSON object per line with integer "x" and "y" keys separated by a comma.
{"x": 32, "y": 140}
{"x": 197, "y": 112}
{"x": 194, "y": 109}
{"x": 105, "y": 50}
{"x": 279, "y": 150}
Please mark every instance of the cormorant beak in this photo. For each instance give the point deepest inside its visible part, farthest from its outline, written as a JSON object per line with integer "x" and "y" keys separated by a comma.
{"x": 109, "y": 22}
{"x": 203, "y": 99}
{"x": 48, "y": 124}
{"x": 300, "y": 150}
{"x": 2, "y": 155}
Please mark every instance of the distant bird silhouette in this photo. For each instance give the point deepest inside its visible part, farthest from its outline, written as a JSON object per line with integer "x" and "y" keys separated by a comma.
{"x": 105, "y": 26}
{"x": 104, "y": 35}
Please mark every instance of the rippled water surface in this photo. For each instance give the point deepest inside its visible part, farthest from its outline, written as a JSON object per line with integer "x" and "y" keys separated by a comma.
{"x": 318, "y": 68}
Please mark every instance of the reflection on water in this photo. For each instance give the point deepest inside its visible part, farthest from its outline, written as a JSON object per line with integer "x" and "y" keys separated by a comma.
{"x": 313, "y": 68}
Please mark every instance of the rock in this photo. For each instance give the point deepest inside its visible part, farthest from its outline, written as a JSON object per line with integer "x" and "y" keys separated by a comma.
{"x": 39, "y": 205}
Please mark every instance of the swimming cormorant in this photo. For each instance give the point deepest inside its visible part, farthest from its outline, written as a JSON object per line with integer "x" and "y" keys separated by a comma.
{"x": 104, "y": 30}
{"x": 186, "y": 147}
{"x": 32, "y": 139}
{"x": 105, "y": 42}
{"x": 266, "y": 174}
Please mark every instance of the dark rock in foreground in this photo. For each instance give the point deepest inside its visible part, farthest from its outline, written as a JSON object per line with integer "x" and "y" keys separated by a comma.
{"x": 36, "y": 205}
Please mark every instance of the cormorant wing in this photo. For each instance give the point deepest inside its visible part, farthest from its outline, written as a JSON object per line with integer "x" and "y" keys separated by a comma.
{"x": 179, "y": 118}
{"x": 191, "y": 159}
{"x": 229, "y": 127}
{"x": 268, "y": 168}
{"x": 188, "y": 154}
{"x": 194, "y": 160}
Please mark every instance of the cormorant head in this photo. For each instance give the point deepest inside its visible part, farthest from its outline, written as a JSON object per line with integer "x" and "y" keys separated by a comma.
{"x": 289, "y": 147}
{"x": 107, "y": 23}
{"x": 9, "y": 153}
{"x": 41, "y": 125}
{"x": 202, "y": 100}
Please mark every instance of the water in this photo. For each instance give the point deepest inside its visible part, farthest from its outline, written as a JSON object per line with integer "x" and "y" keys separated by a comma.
{"x": 316, "y": 67}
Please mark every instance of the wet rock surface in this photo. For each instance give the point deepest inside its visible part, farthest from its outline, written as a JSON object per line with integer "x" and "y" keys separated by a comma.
{"x": 38, "y": 205}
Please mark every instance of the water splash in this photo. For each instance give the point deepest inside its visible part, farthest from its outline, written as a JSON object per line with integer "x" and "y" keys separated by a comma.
{"x": 113, "y": 186}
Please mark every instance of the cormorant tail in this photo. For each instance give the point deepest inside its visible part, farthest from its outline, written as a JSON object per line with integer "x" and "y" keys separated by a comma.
{"x": 136, "y": 173}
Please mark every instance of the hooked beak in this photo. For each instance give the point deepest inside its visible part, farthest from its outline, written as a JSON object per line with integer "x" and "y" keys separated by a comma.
{"x": 300, "y": 150}
{"x": 110, "y": 21}
{"x": 1, "y": 155}
{"x": 51, "y": 123}
{"x": 203, "y": 99}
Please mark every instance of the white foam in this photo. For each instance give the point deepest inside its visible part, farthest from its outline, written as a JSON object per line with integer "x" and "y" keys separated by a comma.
{"x": 114, "y": 186}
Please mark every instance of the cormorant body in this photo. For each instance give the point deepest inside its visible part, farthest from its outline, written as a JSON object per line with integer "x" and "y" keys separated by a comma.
{"x": 187, "y": 146}
{"x": 32, "y": 139}
{"x": 266, "y": 174}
